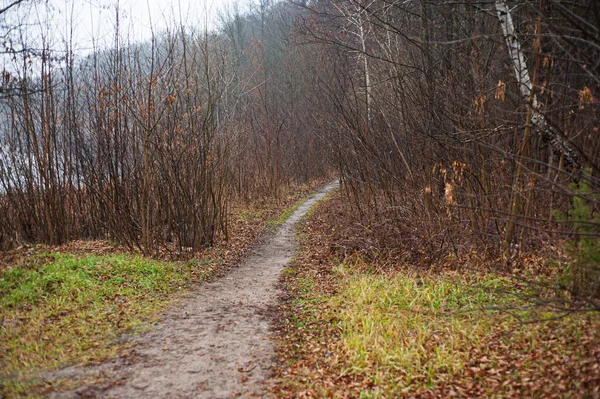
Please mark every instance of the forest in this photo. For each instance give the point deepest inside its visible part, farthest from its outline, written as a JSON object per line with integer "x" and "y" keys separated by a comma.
{"x": 466, "y": 140}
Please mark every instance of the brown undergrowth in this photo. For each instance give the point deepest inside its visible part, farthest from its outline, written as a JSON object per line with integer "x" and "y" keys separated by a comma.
{"x": 245, "y": 223}
{"x": 356, "y": 324}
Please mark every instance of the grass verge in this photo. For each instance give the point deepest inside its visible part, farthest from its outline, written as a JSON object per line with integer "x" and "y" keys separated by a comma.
{"x": 62, "y": 308}
{"x": 351, "y": 330}
{"x": 274, "y": 223}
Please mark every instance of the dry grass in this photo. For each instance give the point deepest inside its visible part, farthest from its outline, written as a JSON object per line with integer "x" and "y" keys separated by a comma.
{"x": 411, "y": 333}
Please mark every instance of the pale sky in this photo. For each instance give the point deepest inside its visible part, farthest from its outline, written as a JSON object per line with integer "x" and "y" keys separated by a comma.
{"x": 94, "y": 20}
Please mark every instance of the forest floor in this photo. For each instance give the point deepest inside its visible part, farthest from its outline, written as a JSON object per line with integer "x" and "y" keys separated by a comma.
{"x": 357, "y": 323}
{"x": 211, "y": 339}
{"x": 336, "y": 319}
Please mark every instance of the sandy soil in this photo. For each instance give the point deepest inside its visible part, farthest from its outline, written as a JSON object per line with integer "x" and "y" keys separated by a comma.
{"x": 215, "y": 344}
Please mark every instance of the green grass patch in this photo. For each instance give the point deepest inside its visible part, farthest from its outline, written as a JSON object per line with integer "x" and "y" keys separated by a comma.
{"x": 407, "y": 333}
{"x": 276, "y": 222}
{"x": 60, "y": 308}
{"x": 411, "y": 325}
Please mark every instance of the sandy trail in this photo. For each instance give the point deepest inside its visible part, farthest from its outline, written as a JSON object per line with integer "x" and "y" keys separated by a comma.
{"x": 215, "y": 344}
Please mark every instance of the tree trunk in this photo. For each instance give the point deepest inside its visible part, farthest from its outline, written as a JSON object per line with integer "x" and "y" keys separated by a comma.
{"x": 549, "y": 134}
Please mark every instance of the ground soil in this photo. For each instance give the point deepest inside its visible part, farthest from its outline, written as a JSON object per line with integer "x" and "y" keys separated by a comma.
{"x": 214, "y": 344}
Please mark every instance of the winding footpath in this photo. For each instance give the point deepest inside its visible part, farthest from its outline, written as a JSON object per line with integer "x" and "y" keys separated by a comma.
{"x": 215, "y": 344}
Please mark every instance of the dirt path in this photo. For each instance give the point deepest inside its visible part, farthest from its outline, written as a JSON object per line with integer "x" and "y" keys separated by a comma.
{"x": 216, "y": 343}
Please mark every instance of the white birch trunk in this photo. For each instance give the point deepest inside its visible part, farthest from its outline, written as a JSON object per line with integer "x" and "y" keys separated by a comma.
{"x": 519, "y": 64}
{"x": 514, "y": 51}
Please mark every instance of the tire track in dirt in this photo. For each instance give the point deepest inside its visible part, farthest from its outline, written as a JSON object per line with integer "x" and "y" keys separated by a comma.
{"x": 215, "y": 344}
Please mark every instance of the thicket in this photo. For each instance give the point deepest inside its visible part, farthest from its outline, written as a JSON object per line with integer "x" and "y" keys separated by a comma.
{"x": 463, "y": 126}
{"x": 146, "y": 144}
